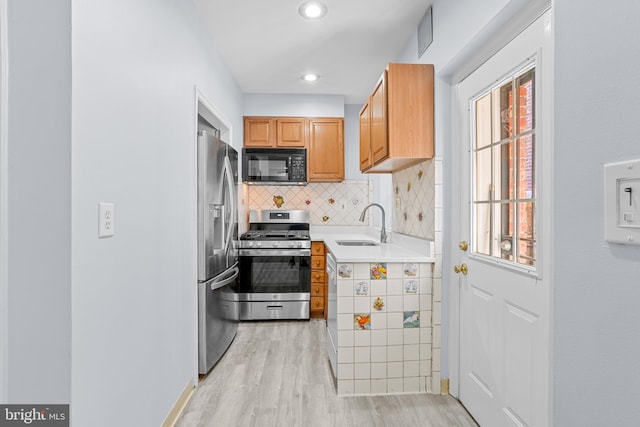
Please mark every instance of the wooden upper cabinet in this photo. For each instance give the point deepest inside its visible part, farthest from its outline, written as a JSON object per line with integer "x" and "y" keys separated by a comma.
{"x": 275, "y": 132}
{"x": 399, "y": 132}
{"x": 325, "y": 151}
{"x": 259, "y": 132}
{"x": 365, "y": 137}
{"x": 379, "y": 137}
{"x": 292, "y": 132}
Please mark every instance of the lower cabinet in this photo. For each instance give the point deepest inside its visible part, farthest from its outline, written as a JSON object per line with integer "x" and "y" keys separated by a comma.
{"x": 318, "y": 282}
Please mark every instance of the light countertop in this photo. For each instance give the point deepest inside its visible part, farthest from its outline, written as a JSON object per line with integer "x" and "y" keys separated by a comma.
{"x": 401, "y": 248}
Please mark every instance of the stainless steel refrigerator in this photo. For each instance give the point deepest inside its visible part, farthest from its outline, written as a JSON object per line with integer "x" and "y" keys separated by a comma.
{"x": 218, "y": 307}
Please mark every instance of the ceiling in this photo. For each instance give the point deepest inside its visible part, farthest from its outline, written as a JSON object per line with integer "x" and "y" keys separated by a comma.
{"x": 268, "y": 46}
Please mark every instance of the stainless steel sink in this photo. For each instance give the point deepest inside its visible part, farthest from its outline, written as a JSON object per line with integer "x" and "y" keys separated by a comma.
{"x": 357, "y": 243}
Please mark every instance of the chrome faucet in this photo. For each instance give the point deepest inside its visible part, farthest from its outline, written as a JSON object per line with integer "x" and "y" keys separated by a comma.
{"x": 383, "y": 232}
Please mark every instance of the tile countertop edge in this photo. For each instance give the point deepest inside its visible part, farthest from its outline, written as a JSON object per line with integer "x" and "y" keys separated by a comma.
{"x": 401, "y": 249}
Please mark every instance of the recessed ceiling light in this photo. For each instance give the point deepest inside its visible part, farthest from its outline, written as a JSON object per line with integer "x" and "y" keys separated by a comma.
{"x": 312, "y": 10}
{"x": 310, "y": 77}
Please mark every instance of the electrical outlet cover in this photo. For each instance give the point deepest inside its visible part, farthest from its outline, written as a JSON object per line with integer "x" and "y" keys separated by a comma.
{"x": 106, "y": 220}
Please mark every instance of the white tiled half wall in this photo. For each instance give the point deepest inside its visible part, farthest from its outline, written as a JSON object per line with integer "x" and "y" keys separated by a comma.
{"x": 328, "y": 203}
{"x": 414, "y": 200}
{"x": 385, "y": 328}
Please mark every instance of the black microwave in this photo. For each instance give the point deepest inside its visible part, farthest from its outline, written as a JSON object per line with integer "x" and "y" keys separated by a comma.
{"x": 280, "y": 166}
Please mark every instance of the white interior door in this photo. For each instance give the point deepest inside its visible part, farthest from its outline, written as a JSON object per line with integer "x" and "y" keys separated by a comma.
{"x": 504, "y": 162}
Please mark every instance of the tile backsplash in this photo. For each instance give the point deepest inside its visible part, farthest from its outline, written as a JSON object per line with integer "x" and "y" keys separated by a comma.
{"x": 414, "y": 200}
{"x": 328, "y": 203}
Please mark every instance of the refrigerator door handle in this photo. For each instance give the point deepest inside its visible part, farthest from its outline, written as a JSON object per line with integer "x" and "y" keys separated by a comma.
{"x": 220, "y": 283}
{"x": 226, "y": 170}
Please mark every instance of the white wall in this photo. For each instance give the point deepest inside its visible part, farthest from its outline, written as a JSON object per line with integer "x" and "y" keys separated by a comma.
{"x": 293, "y": 105}
{"x": 38, "y": 186}
{"x": 135, "y": 68}
{"x": 596, "y": 292}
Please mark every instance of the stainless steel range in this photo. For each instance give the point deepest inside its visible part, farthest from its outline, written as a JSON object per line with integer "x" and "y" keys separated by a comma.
{"x": 275, "y": 265}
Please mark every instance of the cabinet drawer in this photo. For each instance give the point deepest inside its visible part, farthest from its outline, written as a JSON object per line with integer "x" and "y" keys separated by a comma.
{"x": 317, "y": 248}
{"x": 317, "y": 276}
{"x": 317, "y": 262}
{"x": 317, "y": 303}
{"x": 317, "y": 290}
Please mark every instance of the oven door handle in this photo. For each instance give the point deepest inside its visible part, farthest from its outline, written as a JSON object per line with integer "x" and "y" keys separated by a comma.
{"x": 274, "y": 252}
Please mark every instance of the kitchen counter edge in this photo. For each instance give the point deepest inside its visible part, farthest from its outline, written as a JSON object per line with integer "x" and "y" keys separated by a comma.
{"x": 385, "y": 252}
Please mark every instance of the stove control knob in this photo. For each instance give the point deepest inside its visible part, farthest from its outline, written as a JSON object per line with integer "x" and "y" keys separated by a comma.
{"x": 258, "y": 244}
{"x": 299, "y": 244}
{"x": 275, "y": 244}
{"x": 250, "y": 244}
{"x": 290, "y": 244}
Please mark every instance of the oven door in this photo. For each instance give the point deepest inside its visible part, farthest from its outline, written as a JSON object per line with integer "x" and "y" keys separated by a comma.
{"x": 275, "y": 274}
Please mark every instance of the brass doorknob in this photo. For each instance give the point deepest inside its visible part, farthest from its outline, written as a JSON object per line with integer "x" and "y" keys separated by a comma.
{"x": 462, "y": 268}
{"x": 463, "y": 245}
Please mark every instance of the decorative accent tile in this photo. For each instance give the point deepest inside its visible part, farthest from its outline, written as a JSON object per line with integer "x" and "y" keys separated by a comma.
{"x": 378, "y": 304}
{"x": 345, "y": 271}
{"x": 379, "y": 271}
{"x": 278, "y": 201}
{"x": 411, "y": 270}
{"x": 411, "y": 287}
{"x": 411, "y": 319}
{"x": 362, "y": 288}
{"x": 362, "y": 321}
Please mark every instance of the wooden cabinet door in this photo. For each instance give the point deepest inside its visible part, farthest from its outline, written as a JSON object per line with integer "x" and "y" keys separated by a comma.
{"x": 325, "y": 155}
{"x": 292, "y": 132}
{"x": 259, "y": 132}
{"x": 378, "y": 124}
{"x": 365, "y": 138}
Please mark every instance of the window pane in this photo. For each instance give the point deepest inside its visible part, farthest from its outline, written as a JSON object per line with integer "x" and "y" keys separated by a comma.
{"x": 503, "y": 214}
{"x": 483, "y": 174}
{"x": 526, "y": 107}
{"x": 503, "y": 171}
{"x": 483, "y": 228}
{"x": 504, "y": 108}
{"x": 526, "y": 233}
{"x": 526, "y": 167}
{"x": 483, "y": 121}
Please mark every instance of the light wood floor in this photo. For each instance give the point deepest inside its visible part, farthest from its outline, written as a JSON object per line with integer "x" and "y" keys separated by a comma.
{"x": 277, "y": 374}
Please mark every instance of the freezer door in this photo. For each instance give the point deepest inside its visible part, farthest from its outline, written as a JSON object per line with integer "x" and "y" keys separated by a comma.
{"x": 218, "y": 316}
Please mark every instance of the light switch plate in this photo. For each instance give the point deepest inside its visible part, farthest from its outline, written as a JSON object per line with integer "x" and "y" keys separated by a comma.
{"x": 622, "y": 202}
{"x": 106, "y": 220}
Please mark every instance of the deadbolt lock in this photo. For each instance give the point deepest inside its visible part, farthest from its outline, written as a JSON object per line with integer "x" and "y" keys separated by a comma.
{"x": 462, "y": 268}
{"x": 464, "y": 245}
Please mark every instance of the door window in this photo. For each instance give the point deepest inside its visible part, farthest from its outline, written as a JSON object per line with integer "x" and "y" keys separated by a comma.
{"x": 504, "y": 187}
